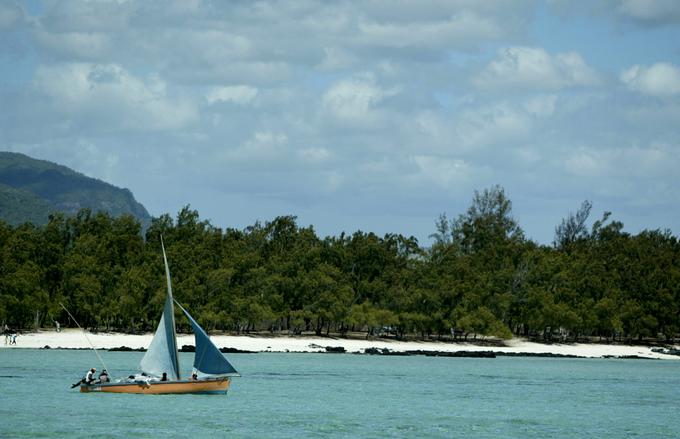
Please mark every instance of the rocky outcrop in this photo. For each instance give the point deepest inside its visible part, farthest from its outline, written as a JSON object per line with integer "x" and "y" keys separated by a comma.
{"x": 465, "y": 354}
{"x": 126, "y": 349}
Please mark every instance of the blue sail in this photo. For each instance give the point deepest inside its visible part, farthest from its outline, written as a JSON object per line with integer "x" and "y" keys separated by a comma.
{"x": 208, "y": 359}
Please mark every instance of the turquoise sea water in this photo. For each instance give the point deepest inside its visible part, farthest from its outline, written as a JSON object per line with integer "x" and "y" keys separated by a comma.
{"x": 350, "y": 396}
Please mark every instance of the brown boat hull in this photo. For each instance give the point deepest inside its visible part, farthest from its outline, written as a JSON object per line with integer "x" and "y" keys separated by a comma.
{"x": 219, "y": 386}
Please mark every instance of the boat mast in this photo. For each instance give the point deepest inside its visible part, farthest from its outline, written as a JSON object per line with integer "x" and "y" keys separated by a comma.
{"x": 172, "y": 308}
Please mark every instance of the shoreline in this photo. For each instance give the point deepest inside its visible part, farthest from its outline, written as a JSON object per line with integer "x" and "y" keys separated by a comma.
{"x": 75, "y": 339}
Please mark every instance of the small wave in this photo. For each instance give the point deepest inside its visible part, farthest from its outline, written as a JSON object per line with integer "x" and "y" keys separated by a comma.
{"x": 298, "y": 374}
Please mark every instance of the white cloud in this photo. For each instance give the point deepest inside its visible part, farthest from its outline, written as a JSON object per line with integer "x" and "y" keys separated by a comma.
{"x": 336, "y": 58}
{"x": 650, "y": 10}
{"x": 10, "y": 15}
{"x": 534, "y": 68}
{"x": 630, "y": 163}
{"x": 90, "y": 16}
{"x": 488, "y": 125}
{"x": 262, "y": 146}
{"x": 244, "y": 72}
{"x": 211, "y": 46}
{"x": 474, "y": 129}
{"x": 211, "y": 38}
{"x": 460, "y": 28}
{"x": 527, "y": 155}
{"x": 353, "y": 99}
{"x": 443, "y": 171}
{"x": 585, "y": 163}
{"x": 647, "y": 13}
{"x": 315, "y": 155}
{"x": 333, "y": 181}
{"x": 236, "y": 94}
{"x": 80, "y": 45}
{"x": 541, "y": 106}
{"x": 660, "y": 118}
{"x": 660, "y": 79}
{"x": 119, "y": 99}
{"x": 272, "y": 98}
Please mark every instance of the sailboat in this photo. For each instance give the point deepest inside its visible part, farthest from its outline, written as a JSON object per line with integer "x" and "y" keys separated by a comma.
{"x": 162, "y": 358}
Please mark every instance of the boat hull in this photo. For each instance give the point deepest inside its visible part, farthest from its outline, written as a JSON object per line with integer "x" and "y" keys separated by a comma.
{"x": 219, "y": 386}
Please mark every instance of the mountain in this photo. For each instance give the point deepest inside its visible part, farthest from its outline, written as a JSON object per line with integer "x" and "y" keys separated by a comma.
{"x": 31, "y": 189}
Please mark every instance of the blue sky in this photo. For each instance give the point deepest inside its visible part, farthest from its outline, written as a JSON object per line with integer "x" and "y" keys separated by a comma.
{"x": 369, "y": 115}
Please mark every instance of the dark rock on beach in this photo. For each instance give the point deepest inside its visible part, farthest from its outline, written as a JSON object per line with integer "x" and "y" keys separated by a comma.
{"x": 460, "y": 354}
{"x": 399, "y": 353}
{"x": 466, "y": 354}
{"x": 126, "y": 349}
{"x": 628, "y": 357}
{"x": 536, "y": 354}
{"x": 385, "y": 351}
{"x": 187, "y": 348}
{"x": 235, "y": 351}
{"x": 374, "y": 351}
{"x": 335, "y": 349}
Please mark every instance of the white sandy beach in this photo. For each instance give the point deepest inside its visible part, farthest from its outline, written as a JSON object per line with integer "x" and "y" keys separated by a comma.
{"x": 74, "y": 338}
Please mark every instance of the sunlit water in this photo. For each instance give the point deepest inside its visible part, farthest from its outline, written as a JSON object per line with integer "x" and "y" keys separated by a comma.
{"x": 350, "y": 396}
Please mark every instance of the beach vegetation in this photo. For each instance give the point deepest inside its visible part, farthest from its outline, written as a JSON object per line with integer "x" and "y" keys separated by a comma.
{"x": 480, "y": 278}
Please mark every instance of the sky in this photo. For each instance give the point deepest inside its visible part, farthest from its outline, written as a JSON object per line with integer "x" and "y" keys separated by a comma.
{"x": 369, "y": 115}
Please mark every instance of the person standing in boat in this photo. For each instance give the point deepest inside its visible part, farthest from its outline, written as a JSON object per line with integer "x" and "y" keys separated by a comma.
{"x": 164, "y": 377}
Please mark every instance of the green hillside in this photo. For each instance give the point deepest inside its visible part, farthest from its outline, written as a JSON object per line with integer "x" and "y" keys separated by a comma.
{"x": 31, "y": 189}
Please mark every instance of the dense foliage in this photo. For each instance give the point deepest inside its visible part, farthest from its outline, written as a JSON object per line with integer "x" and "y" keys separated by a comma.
{"x": 31, "y": 189}
{"x": 480, "y": 277}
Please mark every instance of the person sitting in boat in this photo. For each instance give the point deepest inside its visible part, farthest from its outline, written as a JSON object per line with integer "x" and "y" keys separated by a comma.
{"x": 89, "y": 376}
{"x": 164, "y": 377}
{"x": 104, "y": 377}
{"x": 140, "y": 379}
{"x": 194, "y": 377}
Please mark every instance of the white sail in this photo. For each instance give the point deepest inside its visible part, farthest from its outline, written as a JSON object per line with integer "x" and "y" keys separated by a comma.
{"x": 162, "y": 357}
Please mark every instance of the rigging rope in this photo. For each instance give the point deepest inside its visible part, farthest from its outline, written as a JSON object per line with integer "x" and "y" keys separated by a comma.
{"x": 88, "y": 340}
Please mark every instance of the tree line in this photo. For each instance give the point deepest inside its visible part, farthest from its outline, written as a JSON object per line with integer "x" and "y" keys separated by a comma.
{"x": 481, "y": 277}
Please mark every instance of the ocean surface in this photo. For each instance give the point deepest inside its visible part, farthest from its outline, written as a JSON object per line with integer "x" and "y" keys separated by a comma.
{"x": 349, "y": 396}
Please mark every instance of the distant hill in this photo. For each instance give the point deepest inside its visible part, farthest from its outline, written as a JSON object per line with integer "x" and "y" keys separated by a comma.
{"x": 31, "y": 189}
